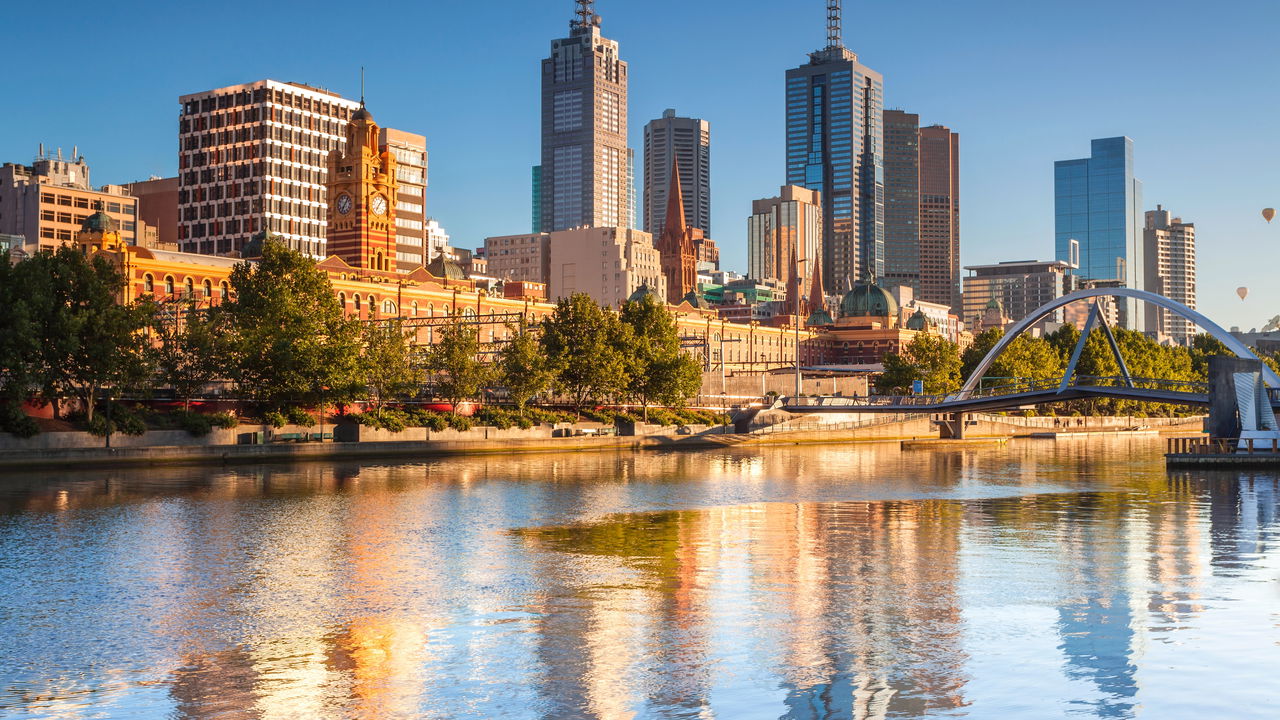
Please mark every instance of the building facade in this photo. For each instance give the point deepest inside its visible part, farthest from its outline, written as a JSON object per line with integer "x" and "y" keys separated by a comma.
{"x": 1098, "y": 208}
{"x": 784, "y": 229}
{"x": 835, "y": 136}
{"x": 525, "y": 258}
{"x": 412, "y": 240}
{"x": 1018, "y": 286}
{"x": 1170, "y": 248}
{"x": 254, "y": 158}
{"x": 584, "y": 178}
{"x": 607, "y": 263}
{"x": 939, "y": 216}
{"x": 686, "y": 143}
{"x": 902, "y": 198}
{"x": 47, "y": 202}
{"x": 158, "y": 207}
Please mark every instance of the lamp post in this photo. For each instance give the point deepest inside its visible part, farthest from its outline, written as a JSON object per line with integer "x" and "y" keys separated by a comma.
{"x": 799, "y": 292}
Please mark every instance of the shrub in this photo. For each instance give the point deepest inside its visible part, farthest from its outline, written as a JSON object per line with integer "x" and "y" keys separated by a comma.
{"x": 461, "y": 423}
{"x": 224, "y": 420}
{"x": 123, "y": 422}
{"x": 300, "y": 417}
{"x": 275, "y": 419}
{"x": 193, "y": 422}
{"x": 523, "y": 422}
{"x": 16, "y": 422}
{"x": 393, "y": 420}
{"x": 498, "y": 417}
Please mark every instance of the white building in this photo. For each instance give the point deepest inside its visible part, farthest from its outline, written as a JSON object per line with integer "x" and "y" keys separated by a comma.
{"x": 607, "y": 263}
{"x": 1170, "y": 253}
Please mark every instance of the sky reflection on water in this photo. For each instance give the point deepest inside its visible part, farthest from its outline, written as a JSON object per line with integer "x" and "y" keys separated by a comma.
{"x": 1040, "y": 580}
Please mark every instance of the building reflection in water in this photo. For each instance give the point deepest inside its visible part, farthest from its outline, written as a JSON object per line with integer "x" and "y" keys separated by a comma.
{"x": 602, "y": 586}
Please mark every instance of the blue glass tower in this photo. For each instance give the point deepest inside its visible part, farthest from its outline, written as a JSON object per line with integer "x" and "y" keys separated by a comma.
{"x": 835, "y": 145}
{"x": 1098, "y": 208}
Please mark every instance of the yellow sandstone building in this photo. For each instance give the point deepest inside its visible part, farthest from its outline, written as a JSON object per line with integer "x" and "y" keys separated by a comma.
{"x": 362, "y": 269}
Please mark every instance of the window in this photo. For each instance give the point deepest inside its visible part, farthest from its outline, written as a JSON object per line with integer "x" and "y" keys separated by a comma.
{"x": 208, "y": 289}
{"x": 388, "y": 308}
{"x": 413, "y": 309}
{"x": 355, "y": 299}
{"x": 223, "y": 291}
{"x": 189, "y": 288}
{"x": 148, "y": 283}
{"x": 168, "y": 284}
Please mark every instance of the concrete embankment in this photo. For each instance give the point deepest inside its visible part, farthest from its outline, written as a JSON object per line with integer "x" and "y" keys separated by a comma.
{"x": 237, "y": 446}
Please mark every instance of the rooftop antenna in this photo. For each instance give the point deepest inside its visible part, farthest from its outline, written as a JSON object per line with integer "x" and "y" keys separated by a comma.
{"x": 361, "y": 86}
{"x": 833, "y": 24}
{"x": 586, "y": 15}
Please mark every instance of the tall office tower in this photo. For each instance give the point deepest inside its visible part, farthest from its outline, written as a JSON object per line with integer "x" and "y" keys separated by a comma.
{"x": 902, "y": 198}
{"x": 584, "y": 176}
{"x": 834, "y": 145}
{"x": 1019, "y": 286}
{"x": 687, "y": 142}
{"x": 410, "y": 151}
{"x": 782, "y": 228}
{"x": 1170, "y": 247}
{"x": 1098, "y": 206}
{"x": 47, "y": 202}
{"x": 939, "y": 216}
{"x": 254, "y": 157}
{"x": 922, "y": 208}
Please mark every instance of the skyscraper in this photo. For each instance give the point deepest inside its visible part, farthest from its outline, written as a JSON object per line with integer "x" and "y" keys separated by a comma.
{"x": 687, "y": 142}
{"x": 835, "y": 141}
{"x": 782, "y": 229}
{"x": 253, "y": 157}
{"x": 1170, "y": 247}
{"x": 410, "y": 151}
{"x": 940, "y": 216}
{"x": 584, "y": 176}
{"x": 1098, "y": 204}
{"x": 902, "y": 198}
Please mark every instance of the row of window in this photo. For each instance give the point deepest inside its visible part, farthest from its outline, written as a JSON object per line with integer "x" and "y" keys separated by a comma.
{"x": 111, "y": 206}
{"x": 206, "y": 290}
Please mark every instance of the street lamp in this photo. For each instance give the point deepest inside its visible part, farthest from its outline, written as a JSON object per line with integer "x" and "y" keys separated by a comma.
{"x": 799, "y": 292}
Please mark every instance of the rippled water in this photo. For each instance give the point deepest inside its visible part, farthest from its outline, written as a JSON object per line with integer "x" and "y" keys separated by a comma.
{"x": 1040, "y": 580}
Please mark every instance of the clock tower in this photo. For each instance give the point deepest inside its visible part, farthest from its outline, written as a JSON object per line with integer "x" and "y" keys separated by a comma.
{"x": 362, "y": 198}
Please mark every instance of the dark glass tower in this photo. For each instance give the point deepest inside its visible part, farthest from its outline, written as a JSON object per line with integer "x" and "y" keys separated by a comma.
{"x": 835, "y": 135}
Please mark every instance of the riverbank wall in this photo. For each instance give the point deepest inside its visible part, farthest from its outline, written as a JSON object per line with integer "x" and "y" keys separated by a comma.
{"x": 253, "y": 444}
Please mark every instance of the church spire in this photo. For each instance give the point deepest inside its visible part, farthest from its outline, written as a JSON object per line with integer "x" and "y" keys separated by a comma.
{"x": 817, "y": 293}
{"x": 675, "y": 218}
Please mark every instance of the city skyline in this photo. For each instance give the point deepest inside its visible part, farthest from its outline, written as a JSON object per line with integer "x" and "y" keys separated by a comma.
{"x": 482, "y": 143}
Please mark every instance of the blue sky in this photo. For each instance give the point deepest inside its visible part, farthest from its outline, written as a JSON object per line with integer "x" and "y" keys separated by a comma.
{"x": 1194, "y": 83}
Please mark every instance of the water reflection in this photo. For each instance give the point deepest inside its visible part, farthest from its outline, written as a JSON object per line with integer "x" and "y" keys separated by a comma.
{"x": 1034, "y": 581}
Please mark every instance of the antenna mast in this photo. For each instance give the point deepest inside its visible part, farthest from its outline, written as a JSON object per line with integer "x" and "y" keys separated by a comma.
{"x": 361, "y": 86}
{"x": 833, "y": 24}
{"x": 586, "y": 15}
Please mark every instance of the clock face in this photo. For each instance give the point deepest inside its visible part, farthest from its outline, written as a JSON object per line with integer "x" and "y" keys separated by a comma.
{"x": 344, "y": 204}
{"x": 379, "y": 205}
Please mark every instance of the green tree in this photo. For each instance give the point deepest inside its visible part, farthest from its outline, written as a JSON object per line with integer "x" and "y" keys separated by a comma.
{"x": 86, "y": 340}
{"x": 931, "y": 358}
{"x": 184, "y": 346}
{"x": 658, "y": 370}
{"x": 18, "y": 348}
{"x": 1203, "y": 347}
{"x": 580, "y": 339}
{"x": 1028, "y": 359}
{"x": 287, "y": 340}
{"x": 982, "y": 344}
{"x": 387, "y": 362}
{"x": 455, "y": 360}
{"x": 523, "y": 369}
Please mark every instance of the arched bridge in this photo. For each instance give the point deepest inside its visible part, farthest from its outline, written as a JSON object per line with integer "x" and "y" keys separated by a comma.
{"x": 972, "y": 398}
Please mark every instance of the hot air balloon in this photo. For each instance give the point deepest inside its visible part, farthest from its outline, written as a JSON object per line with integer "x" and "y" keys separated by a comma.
{"x": 1242, "y": 292}
{"x": 1268, "y": 213}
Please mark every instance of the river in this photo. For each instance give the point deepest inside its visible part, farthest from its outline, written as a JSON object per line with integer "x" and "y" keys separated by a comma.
{"x": 1036, "y": 580}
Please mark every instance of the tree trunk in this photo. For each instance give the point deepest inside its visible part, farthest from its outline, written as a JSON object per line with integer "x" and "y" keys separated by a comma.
{"x": 88, "y": 412}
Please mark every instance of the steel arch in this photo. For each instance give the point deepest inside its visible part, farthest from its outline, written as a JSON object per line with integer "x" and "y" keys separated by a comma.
{"x": 1209, "y": 326}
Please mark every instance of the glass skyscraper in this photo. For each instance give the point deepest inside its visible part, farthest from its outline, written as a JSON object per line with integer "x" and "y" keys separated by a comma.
{"x": 835, "y": 136}
{"x": 1098, "y": 209}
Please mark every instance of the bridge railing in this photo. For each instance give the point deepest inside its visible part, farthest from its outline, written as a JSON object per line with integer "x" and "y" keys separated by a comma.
{"x": 1017, "y": 387}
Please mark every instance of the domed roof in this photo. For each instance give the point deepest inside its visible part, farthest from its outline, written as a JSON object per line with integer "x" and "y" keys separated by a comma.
{"x": 695, "y": 299}
{"x": 100, "y": 222}
{"x": 443, "y": 267}
{"x": 867, "y": 299}
{"x": 641, "y": 292}
{"x": 362, "y": 114}
{"x": 919, "y": 321}
{"x": 819, "y": 318}
{"x": 994, "y": 304}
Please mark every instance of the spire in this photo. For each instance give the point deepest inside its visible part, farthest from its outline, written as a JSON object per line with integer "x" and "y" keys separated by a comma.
{"x": 793, "y": 283}
{"x": 675, "y": 220}
{"x": 817, "y": 293}
{"x": 361, "y": 86}
{"x": 833, "y": 25}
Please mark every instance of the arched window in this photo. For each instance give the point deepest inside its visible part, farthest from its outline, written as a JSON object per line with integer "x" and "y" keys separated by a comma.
{"x": 208, "y": 289}
{"x": 356, "y": 299}
{"x": 223, "y": 291}
{"x": 168, "y": 284}
{"x": 446, "y": 308}
{"x": 413, "y": 309}
{"x": 469, "y": 312}
{"x": 431, "y": 309}
{"x": 388, "y": 308}
{"x": 188, "y": 288}
{"x": 342, "y": 301}
{"x": 148, "y": 283}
